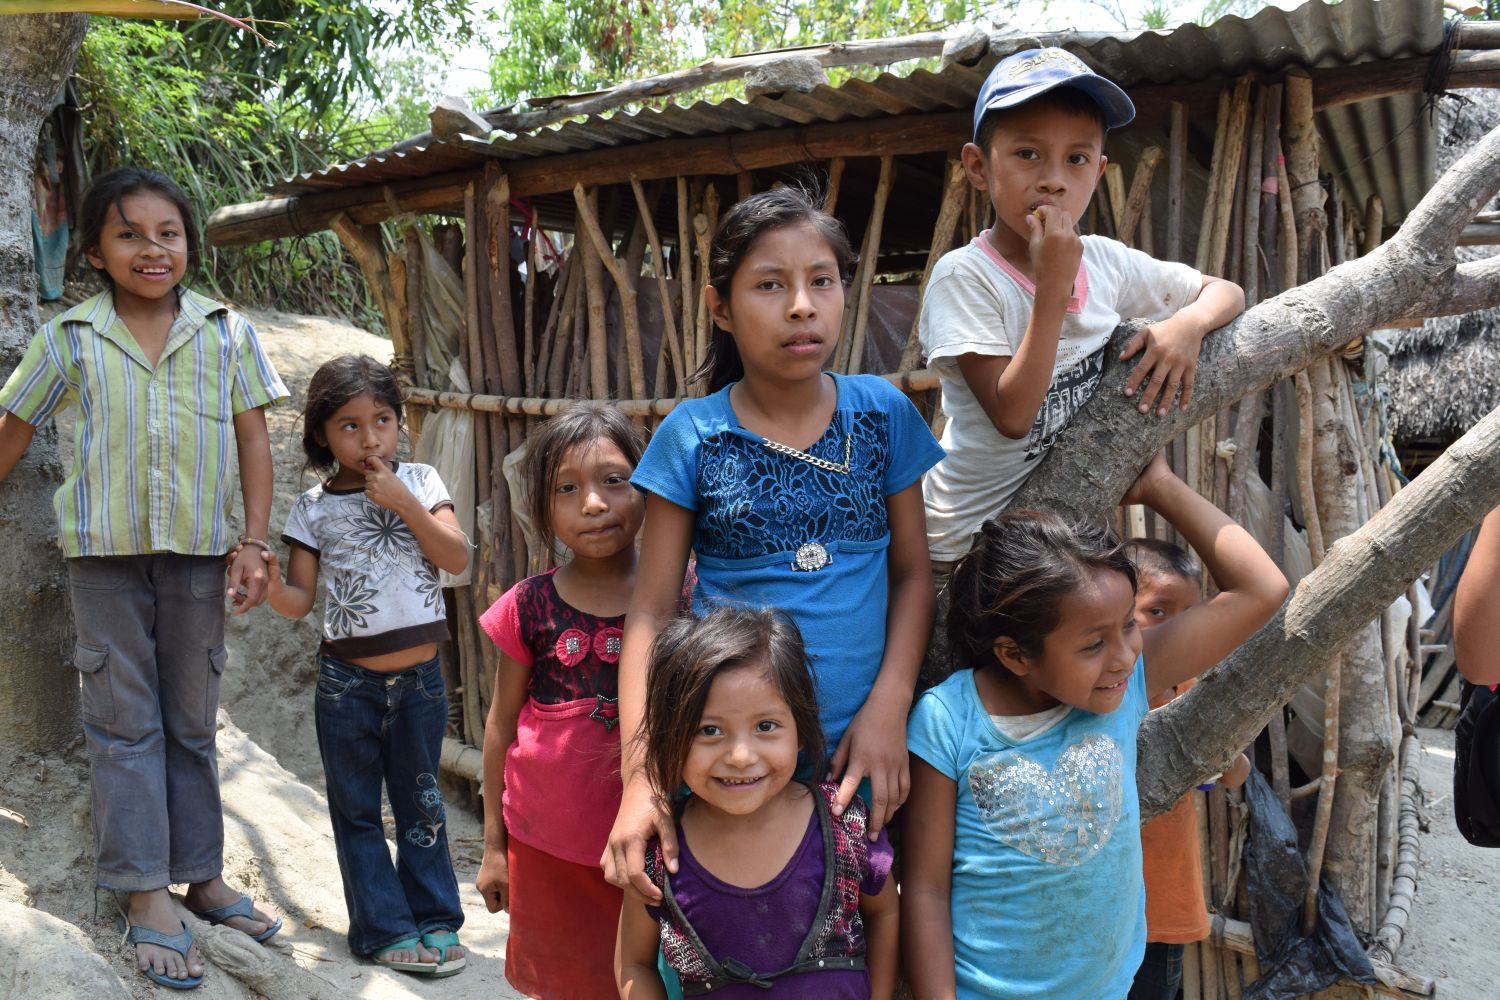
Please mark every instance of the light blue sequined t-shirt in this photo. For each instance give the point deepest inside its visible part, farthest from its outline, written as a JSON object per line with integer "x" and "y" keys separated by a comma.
{"x": 1047, "y": 898}
{"x": 756, "y": 511}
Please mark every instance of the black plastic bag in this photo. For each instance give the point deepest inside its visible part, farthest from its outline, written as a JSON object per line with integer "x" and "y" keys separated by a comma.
{"x": 1292, "y": 965}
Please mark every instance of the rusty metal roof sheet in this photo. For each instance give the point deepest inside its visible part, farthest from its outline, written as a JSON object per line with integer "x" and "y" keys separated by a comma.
{"x": 1382, "y": 145}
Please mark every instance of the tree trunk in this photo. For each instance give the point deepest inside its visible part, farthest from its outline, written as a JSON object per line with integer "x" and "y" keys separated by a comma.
{"x": 38, "y": 689}
{"x": 1097, "y": 456}
{"x": 1365, "y": 749}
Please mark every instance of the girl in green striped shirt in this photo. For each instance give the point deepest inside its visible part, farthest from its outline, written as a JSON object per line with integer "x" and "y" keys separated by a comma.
{"x": 170, "y": 388}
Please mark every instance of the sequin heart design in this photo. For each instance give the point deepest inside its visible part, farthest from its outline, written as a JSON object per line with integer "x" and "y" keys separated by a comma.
{"x": 1064, "y": 816}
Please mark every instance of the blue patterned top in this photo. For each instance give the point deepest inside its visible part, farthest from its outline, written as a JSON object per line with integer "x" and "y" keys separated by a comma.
{"x": 756, "y": 509}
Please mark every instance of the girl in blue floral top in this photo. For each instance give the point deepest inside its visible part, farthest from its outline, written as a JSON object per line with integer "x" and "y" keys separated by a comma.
{"x": 795, "y": 488}
{"x": 381, "y": 529}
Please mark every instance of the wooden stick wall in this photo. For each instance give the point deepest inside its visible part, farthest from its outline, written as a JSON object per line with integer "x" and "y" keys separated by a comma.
{"x": 540, "y": 340}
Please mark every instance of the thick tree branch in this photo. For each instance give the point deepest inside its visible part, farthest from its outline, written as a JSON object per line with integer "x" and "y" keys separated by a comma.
{"x": 1363, "y": 573}
{"x": 1476, "y": 285}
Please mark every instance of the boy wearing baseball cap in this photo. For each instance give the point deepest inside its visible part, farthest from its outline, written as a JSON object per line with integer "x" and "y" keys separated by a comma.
{"x": 1016, "y": 323}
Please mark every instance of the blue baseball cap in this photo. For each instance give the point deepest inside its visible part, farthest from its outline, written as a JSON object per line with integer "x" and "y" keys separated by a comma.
{"x": 1028, "y": 74}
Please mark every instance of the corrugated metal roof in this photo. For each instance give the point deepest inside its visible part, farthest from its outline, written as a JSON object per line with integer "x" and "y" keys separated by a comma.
{"x": 1383, "y": 145}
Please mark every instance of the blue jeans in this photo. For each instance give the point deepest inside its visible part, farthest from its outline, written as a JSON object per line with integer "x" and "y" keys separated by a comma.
{"x": 387, "y": 727}
{"x": 1160, "y": 974}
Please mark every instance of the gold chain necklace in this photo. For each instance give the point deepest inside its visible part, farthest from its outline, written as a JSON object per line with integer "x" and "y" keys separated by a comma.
{"x": 813, "y": 460}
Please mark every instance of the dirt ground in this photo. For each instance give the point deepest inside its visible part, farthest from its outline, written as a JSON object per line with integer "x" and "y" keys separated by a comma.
{"x": 60, "y": 941}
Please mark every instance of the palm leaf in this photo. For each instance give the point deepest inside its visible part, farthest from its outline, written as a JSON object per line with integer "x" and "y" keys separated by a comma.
{"x": 169, "y": 10}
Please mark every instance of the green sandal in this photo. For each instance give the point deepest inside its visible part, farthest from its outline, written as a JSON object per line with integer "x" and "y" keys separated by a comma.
{"x": 441, "y": 941}
{"x": 405, "y": 944}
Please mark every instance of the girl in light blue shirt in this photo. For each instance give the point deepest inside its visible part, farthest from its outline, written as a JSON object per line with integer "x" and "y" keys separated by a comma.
{"x": 1023, "y": 859}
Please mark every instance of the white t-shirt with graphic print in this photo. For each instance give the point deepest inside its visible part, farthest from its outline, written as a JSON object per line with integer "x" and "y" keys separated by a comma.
{"x": 382, "y": 592}
{"x": 977, "y": 303}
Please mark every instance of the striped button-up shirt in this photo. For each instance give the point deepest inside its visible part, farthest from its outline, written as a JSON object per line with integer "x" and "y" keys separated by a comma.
{"x": 154, "y": 446}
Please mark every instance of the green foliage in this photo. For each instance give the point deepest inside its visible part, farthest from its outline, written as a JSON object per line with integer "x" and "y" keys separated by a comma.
{"x": 326, "y": 51}
{"x": 147, "y": 101}
{"x": 569, "y": 46}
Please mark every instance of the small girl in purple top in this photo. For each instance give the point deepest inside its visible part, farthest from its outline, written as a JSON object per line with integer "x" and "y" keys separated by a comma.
{"x": 772, "y": 888}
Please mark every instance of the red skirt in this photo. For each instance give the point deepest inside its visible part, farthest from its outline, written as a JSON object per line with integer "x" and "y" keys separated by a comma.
{"x": 563, "y": 921}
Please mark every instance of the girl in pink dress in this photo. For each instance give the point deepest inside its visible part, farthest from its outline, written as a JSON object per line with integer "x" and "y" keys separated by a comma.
{"x": 552, "y": 742}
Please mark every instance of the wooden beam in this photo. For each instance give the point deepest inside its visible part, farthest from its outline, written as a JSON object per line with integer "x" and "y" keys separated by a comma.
{"x": 918, "y": 380}
{"x": 722, "y": 155}
{"x": 1236, "y": 935}
{"x": 1480, "y": 234}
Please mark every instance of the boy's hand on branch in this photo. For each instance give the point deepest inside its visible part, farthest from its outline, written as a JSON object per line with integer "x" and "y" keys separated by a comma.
{"x": 1148, "y": 484}
{"x": 1056, "y": 249}
{"x": 1169, "y": 363}
{"x": 874, "y": 747}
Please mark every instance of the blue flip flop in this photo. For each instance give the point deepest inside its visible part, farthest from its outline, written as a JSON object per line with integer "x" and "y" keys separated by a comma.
{"x": 180, "y": 943}
{"x": 242, "y": 907}
{"x": 441, "y": 941}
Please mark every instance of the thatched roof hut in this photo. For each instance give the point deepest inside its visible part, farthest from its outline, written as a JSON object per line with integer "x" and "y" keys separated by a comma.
{"x": 1445, "y": 374}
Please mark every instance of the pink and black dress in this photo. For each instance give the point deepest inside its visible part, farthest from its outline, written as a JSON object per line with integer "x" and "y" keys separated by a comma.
{"x": 562, "y": 791}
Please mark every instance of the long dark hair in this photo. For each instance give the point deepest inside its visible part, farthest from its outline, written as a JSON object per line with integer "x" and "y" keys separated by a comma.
{"x": 583, "y": 423}
{"x": 737, "y": 233}
{"x": 1023, "y": 563}
{"x": 337, "y": 381}
{"x": 689, "y": 653}
{"x": 110, "y": 191}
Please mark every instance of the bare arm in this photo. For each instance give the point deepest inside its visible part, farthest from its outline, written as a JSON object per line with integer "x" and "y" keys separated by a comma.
{"x": 437, "y": 532}
{"x": 15, "y": 438}
{"x": 1011, "y": 390}
{"x": 1171, "y": 345}
{"x": 512, "y": 680}
{"x": 257, "y": 479}
{"x": 1251, "y": 587}
{"x": 292, "y": 598}
{"x": 881, "y": 914}
{"x": 1476, "y": 607}
{"x": 635, "y": 954}
{"x": 927, "y": 884}
{"x": 666, "y": 540}
{"x": 874, "y": 745}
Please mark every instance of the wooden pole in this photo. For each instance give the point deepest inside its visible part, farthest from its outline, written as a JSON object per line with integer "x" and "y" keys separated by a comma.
{"x": 835, "y": 178}
{"x": 918, "y": 380}
{"x": 954, "y": 188}
{"x": 671, "y": 345}
{"x": 1140, "y": 187}
{"x": 471, "y": 337}
{"x": 683, "y": 262}
{"x": 1215, "y": 180}
{"x": 703, "y": 229}
{"x": 593, "y": 278}
{"x": 1176, "y": 165}
{"x": 1254, "y": 172}
{"x": 870, "y": 265}
{"x": 624, "y": 285}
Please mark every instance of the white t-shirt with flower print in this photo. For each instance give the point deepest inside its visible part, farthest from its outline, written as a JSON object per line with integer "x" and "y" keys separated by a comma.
{"x": 383, "y": 593}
